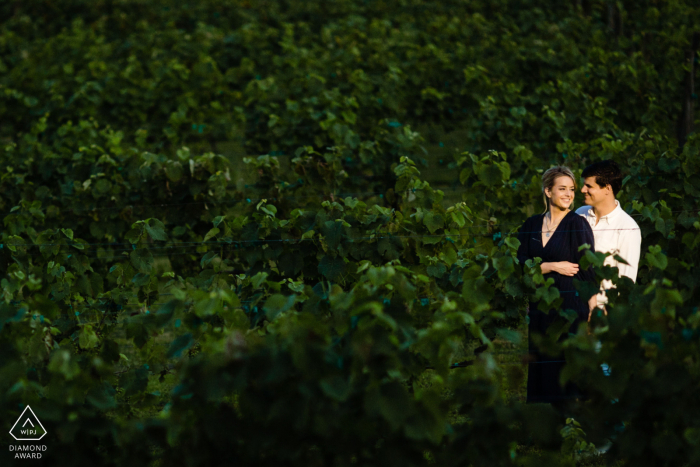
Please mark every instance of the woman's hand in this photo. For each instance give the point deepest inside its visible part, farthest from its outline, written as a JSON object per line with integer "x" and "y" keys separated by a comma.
{"x": 564, "y": 268}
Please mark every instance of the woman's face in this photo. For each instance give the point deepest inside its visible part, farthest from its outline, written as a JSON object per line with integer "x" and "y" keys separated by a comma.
{"x": 561, "y": 195}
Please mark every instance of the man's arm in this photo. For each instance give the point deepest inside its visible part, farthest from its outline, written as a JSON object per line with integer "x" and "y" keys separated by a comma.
{"x": 630, "y": 246}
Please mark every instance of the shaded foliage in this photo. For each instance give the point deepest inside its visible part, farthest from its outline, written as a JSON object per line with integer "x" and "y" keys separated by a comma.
{"x": 295, "y": 317}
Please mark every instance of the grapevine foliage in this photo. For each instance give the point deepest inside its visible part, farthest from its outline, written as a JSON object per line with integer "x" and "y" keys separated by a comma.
{"x": 164, "y": 304}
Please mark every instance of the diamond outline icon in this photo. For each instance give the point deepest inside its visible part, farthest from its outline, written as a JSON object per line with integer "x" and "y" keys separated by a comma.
{"x": 37, "y": 420}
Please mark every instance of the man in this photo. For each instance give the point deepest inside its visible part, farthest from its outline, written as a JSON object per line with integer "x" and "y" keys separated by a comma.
{"x": 614, "y": 230}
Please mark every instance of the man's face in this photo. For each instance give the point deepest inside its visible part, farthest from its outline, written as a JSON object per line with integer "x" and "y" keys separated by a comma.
{"x": 593, "y": 194}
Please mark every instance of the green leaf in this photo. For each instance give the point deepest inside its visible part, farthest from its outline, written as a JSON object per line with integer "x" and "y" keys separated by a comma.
{"x": 87, "y": 337}
{"x": 96, "y": 284}
{"x": 258, "y": 280}
{"x": 206, "y": 259}
{"x": 180, "y": 345}
{"x": 390, "y": 248}
{"x": 165, "y": 313}
{"x": 336, "y": 387}
{"x": 364, "y": 265}
{"x": 110, "y": 351}
{"x": 156, "y": 229}
{"x": 14, "y": 241}
{"x": 490, "y": 174}
{"x": 504, "y": 265}
{"x": 665, "y": 301}
{"x": 660, "y": 226}
{"x": 433, "y": 221}
{"x": 668, "y": 165}
{"x": 511, "y": 335}
{"x": 475, "y": 289}
{"x": 103, "y": 186}
{"x": 134, "y": 381}
{"x": 173, "y": 170}
{"x": 332, "y": 232}
{"x": 586, "y": 289}
{"x": 596, "y": 258}
{"x": 547, "y": 293}
{"x": 436, "y": 270}
{"x": 208, "y": 306}
{"x": 68, "y": 233}
{"x": 458, "y": 218}
{"x": 62, "y": 363}
{"x": 142, "y": 260}
{"x": 102, "y": 396}
{"x": 512, "y": 242}
{"x": 464, "y": 175}
{"x": 141, "y": 279}
{"x": 449, "y": 255}
{"x": 656, "y": 258}
{"x": 137, "y": 330}
{"x": 290, "y": 263}
{"x": 505, "y": 170}
{"x": 239, "y": 320}
{"x": 133, "y": 235}
{"x": 331, "y": 268}
{"x": 89, "y": 285}
{"x": 432, "y": 240}
{"x": 79, "y": 244}
{"x": 277, "y": 304}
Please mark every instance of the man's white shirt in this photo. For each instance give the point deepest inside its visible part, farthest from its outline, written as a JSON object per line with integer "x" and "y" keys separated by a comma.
{"x": 619, "y": 234}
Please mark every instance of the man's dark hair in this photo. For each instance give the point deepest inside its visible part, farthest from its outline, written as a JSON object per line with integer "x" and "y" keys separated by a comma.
{"x": 605, "y": 173}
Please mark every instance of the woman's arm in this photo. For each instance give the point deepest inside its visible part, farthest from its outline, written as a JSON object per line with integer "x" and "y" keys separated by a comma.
{"x": 564, "y": 268}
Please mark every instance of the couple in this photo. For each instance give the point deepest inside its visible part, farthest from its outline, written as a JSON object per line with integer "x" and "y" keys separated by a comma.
{"x": 556, "y": 236}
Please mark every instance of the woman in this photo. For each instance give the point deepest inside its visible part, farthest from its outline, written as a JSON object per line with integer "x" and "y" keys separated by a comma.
{"x": 555, "y": 236}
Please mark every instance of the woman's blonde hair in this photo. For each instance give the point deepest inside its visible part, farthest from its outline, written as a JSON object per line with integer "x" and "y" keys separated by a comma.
{"x": 550, "y": 176}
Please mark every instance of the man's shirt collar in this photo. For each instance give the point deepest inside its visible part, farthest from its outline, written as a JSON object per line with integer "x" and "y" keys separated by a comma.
{"x": 609, "y": 216}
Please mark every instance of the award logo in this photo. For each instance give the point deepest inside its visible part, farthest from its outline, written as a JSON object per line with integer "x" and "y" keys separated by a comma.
{"x": 28, "y": 427}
